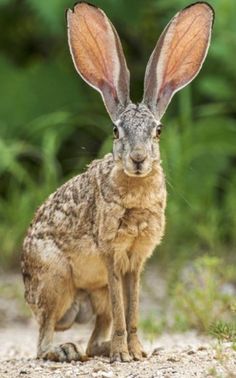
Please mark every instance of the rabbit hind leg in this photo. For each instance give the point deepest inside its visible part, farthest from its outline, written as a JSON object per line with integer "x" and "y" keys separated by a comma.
{"x": 49, "y": 317}
{"x": 50, "y": 293}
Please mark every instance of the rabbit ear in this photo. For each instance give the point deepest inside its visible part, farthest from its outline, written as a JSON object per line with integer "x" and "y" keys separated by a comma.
{"x": 178, "y": 56}
{"x": 98, "y": 56}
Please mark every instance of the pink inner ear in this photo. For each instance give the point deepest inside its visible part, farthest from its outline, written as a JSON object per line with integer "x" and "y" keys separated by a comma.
{"x": 178, "y": 56}
{"x": 98, "y": 56}
{"x": 93, "y": 47}
{"x": 187, "y": 41}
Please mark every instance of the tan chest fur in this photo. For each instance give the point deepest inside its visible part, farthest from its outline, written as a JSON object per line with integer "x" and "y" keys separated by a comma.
{"x": 138, "y": 233}
{"x": 130, "y": 226}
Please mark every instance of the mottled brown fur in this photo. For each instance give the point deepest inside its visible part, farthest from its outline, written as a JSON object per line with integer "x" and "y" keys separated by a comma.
{"x": 87, "y": 244}
{"x": 98, "y": 239}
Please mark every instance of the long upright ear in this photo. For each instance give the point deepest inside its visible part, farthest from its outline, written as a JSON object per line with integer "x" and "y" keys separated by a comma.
{"x": 98, "y": 56}
{"x": 178, "y": 56}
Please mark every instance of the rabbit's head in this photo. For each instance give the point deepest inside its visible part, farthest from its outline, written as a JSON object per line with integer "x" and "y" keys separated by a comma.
{"x": 177, "y": 58}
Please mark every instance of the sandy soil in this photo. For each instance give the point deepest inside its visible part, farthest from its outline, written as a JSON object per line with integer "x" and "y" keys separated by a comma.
{"x": 179, "y": 355}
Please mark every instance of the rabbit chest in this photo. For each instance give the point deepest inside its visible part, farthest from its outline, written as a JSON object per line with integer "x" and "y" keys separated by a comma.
{"x": 132, "y": 222}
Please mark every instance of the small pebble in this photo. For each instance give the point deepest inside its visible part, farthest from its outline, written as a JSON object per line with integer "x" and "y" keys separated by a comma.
{"x": 173, "y": 359}
{"x": 191, "y": 352}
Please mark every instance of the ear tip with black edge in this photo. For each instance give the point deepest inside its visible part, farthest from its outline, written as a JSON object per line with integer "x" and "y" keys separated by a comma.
{"x": 205, "y": 3}
{"x": 83, "y": 2}
{"x": 201, "y": 2}
{"x": 67, "y": 12}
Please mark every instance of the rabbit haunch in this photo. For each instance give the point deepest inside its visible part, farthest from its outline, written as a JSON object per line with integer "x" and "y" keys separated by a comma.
{"x": 88, "y": 242}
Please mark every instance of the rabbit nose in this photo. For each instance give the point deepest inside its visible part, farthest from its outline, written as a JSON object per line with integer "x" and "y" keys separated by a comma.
{"x": 138, "y": 156}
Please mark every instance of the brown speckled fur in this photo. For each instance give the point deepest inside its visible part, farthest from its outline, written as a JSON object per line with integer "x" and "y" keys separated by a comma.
{"x": 98, "y": 222}
{"x": 88, "y": 242}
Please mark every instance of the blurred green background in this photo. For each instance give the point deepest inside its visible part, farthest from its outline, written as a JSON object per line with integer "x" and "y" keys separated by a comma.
{"x": 52, "y": 124}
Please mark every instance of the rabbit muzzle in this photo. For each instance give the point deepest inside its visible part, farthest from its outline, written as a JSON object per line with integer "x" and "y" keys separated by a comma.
{"x": 137, "y": 163}
{"x": 138, "y": 156}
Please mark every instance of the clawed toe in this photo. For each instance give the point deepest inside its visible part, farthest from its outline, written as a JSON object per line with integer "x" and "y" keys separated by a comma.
{"x": 135, "y": 349}
{"x": 120, "y": 357}
{"x": 138, "y": 355}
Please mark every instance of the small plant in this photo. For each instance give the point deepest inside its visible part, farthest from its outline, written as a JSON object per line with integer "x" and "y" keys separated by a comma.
{"x": 204, "y": 297}
{"x": 152, "y": 327}
{"x": 223, "y": 331}
{"x": 213, "y": 372}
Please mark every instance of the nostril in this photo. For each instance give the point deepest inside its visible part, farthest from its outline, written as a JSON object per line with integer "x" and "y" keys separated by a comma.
{"x": 137, "y": 157}
{"x": 137, "y": 161}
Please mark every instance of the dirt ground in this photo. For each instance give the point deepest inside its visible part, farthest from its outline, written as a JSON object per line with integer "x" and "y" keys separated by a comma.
{"x": 178, "y": 355}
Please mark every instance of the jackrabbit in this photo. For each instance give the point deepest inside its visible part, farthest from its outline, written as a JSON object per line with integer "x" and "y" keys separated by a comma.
{"x": 88, "y": 242}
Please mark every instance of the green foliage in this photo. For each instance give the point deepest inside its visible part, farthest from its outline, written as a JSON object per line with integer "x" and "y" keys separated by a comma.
{"x": 203, "y": 298}
{"x": 197, "y": 160}
{"x": 152, "y": 327}
{"x": 200, "y": 295}
{"x": 223, "y": 331}
{"x": 52, "y": 124}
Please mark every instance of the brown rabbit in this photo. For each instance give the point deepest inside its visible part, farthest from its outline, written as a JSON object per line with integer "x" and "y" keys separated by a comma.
{"x": 88, "y": 242}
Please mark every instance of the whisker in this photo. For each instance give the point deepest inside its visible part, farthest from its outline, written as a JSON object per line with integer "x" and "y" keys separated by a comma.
{"x": 179, "y": 194}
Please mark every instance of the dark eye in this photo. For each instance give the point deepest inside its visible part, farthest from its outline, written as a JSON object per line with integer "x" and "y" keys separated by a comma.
{"x": 115, "y": 132}
{"x": 158, "y": 131}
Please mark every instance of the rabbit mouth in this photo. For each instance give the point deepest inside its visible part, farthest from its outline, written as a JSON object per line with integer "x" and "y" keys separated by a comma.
{"x": 137, "y": 169}
{"x": 137, "y": 173}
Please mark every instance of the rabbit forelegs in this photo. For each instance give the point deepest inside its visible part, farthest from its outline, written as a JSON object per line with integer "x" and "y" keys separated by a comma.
{"x": 119, "y": 348}
{"x": 131, "y": 292}
{"x": 124, "y": 294}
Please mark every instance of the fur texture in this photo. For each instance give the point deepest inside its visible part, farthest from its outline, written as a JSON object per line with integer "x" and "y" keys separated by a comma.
{"x": 102, "y": 221}
{"x": 87, "y": 244}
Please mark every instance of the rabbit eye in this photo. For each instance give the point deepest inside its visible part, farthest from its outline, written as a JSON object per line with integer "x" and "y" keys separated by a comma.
{"x": 158, "y": 131}
{"x": 115, "y": 132}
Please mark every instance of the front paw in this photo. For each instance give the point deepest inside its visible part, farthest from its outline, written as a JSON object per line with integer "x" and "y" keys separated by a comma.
{"x": 120, "y": 356}
{"x": 119, "y": 350}
{"x": 135, "y": 348}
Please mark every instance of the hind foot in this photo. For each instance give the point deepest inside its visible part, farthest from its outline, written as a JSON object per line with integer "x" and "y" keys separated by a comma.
{"x": 99, "y": 349}
{"x": 64, "y": 353}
